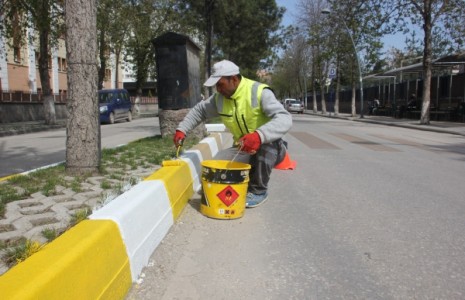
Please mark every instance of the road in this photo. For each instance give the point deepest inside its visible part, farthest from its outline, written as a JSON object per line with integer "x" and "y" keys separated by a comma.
{"x": 25, "y": 152}
{"x": 370, "y": 212}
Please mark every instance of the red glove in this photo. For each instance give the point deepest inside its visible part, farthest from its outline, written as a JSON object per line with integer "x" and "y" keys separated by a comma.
{"x": 179, "y": 137}
{"x": 251, "y": 142}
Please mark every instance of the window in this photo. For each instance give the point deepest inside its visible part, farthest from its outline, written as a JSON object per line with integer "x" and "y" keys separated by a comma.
{"x": 17, "y": 54}
{"x": 37, "y": 55}
{"x": 64, "y": 65}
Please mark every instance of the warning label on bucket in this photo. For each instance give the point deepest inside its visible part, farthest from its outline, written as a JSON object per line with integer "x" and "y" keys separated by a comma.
{"x": 228, "y": 195}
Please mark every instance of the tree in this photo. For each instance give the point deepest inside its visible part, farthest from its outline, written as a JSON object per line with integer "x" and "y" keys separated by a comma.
{"x": 353, "y": 27}
{"x": 242, "y": 31}
{"x": 83, "y": 138}
{"x": 149, "y": 19}
{"x": 359, "y": 27}
{"x": 284, "y": 78}
{"x": 46, "y": 17}
{"x": 112, "y": 28}
{"x": 442, "y": 15}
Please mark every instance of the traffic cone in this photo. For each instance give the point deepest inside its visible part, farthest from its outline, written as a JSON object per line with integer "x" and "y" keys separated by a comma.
{"x": 286, "y": 163}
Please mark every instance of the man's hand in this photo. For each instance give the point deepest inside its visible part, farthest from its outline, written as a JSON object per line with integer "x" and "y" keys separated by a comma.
{"x": 179, "y": 137}
{"x": 251, "y": 142}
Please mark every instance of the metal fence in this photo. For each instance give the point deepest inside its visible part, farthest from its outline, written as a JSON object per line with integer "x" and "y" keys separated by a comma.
{"x": 22, "y": 97}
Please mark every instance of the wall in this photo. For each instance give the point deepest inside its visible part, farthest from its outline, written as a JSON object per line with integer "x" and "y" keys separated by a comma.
{"x": 23, "y": 112}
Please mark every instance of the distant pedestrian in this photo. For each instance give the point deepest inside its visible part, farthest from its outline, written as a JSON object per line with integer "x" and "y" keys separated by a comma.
{"x": 412, "y": 103}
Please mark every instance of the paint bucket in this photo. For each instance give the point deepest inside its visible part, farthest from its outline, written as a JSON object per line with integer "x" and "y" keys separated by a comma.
{"x": 224, "y": 185}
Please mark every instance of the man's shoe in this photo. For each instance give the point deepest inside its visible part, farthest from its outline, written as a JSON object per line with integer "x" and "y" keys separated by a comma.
{"x": 254, "y": 200}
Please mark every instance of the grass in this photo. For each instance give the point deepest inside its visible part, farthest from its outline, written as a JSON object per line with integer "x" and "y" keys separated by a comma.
{"x": 50, "y": 233}
{"x": 116, "y": 165}
{"x": 20, "y": 252}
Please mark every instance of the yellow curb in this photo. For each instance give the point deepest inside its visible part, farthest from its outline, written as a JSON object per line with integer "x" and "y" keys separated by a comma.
{"x": 87, "y": 262}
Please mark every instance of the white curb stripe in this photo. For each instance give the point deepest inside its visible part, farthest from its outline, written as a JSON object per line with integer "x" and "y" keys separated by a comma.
{"x": 144, "y": 216}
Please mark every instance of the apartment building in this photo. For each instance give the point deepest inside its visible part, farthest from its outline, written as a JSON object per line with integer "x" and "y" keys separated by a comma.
{"x": 19, "y": 68}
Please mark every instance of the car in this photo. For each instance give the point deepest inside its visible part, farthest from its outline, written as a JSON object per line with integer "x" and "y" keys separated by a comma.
{"x": 115, "y": 104}
{"x": 293, "y": 105}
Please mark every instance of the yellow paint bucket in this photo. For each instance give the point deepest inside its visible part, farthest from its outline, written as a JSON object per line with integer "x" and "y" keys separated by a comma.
{"x": 224, "y": 185}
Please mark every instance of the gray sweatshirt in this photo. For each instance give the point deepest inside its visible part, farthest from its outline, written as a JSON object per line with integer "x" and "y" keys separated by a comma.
{"x": 279, "y": 124}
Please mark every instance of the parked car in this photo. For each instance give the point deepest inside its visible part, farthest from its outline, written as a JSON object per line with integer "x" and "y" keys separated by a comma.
{"x": 115, "y": 104}
{"x": 293, "y": 105}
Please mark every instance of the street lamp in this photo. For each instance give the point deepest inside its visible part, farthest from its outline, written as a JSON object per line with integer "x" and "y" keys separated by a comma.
{"x": 326, "y": 11}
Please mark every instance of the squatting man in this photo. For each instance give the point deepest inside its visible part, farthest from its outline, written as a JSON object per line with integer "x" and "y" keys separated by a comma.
{"x": 256, "y": 119}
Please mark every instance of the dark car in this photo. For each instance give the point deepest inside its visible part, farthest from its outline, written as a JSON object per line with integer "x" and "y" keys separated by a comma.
{"x": 115, "y": 104}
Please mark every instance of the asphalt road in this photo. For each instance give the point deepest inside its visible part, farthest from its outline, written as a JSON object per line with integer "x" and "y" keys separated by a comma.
{"x": 25, "y": 152}
{"x": 370, "y": 212}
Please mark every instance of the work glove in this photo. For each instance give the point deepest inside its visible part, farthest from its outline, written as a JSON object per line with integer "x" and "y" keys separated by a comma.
{"x": 250, "y": 142}
{"x": 179, "y": 137}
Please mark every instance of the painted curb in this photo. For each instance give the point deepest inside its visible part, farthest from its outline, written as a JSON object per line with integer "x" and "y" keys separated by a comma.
{"x": 144, "y": 217}
{"x": 73, "y": 267}
{"x": 106, "y": 254}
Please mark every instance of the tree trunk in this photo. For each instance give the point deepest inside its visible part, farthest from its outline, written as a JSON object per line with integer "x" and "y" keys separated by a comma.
{"x": 208, "y": 51}
{"x": 103, "y": 60}
{"x": 83, "y": 130}
{"x": 323, "y": 101}
{"x": 353, "y": 106}
{"x": 427, "y": 58}
{"x": 49, "y": 104}
{"x": 336, "y": 97}
{"x": 315, "y": 103}
{"x": 117, "y": 58}
{"x": 338, "y": 88}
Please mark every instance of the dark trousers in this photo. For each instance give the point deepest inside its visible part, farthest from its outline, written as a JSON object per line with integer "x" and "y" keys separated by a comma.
{"x": 263, "y": 162}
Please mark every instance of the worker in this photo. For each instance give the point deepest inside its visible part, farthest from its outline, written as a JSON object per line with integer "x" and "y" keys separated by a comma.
{"x": 256, "y": 119}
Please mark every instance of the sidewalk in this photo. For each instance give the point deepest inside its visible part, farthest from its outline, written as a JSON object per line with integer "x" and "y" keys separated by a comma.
{"x": 7, "y": 129}
{"x": 435, "y": 126}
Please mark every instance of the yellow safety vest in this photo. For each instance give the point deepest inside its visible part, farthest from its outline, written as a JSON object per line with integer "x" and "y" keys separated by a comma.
{"x": 242, "y": 113}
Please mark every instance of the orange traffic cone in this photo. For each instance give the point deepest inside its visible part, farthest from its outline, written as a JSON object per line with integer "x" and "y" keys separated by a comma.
{"x": 286, "y": 164}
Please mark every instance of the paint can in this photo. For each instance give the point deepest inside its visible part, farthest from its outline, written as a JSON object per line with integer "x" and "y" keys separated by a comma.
{"x": 224, "y": 185}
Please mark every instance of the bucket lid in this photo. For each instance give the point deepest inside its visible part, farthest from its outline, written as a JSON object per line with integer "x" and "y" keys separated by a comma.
{"x": 225, "y": 165}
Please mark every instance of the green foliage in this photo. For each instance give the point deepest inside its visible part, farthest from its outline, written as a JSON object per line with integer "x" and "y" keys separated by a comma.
{"x": 441, "y": 21}
{"x": 243, "y": 31}
{"x": 22, "y": 250}
{"x": 50, "y": 234}
{"x": 106, "y": 185}
{"x": 79, "y": 216}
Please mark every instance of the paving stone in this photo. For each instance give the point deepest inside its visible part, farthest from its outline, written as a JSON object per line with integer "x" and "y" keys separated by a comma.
{"x": 29, "y": 217}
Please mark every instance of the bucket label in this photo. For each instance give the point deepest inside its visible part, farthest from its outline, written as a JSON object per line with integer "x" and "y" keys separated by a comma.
{"x": 228, "y": 195}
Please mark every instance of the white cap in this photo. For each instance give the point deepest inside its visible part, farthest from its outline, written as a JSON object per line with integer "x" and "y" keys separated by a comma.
{"x": 220, "y": 69}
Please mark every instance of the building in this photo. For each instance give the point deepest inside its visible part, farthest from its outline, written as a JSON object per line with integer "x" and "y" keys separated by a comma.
{"x": 19, "y": 71}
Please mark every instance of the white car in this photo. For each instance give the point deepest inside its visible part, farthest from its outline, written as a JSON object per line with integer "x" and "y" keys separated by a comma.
{"x": 293, "y": 105}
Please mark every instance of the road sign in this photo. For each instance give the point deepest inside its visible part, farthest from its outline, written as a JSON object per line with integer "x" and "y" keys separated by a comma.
{"x": 332, "y": 73}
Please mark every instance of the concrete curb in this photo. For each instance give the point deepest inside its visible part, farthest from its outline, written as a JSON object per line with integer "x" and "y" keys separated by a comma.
{"x": 100, "y": 258}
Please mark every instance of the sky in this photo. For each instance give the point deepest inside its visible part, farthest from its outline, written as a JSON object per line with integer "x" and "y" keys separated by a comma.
{"x": 397, "y": 40}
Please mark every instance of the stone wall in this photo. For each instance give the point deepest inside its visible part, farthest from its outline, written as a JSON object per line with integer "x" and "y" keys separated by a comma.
{"x": 169, "y": 120}
{"x": 24, "y": 112}
{"x": 11, "y": 112}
